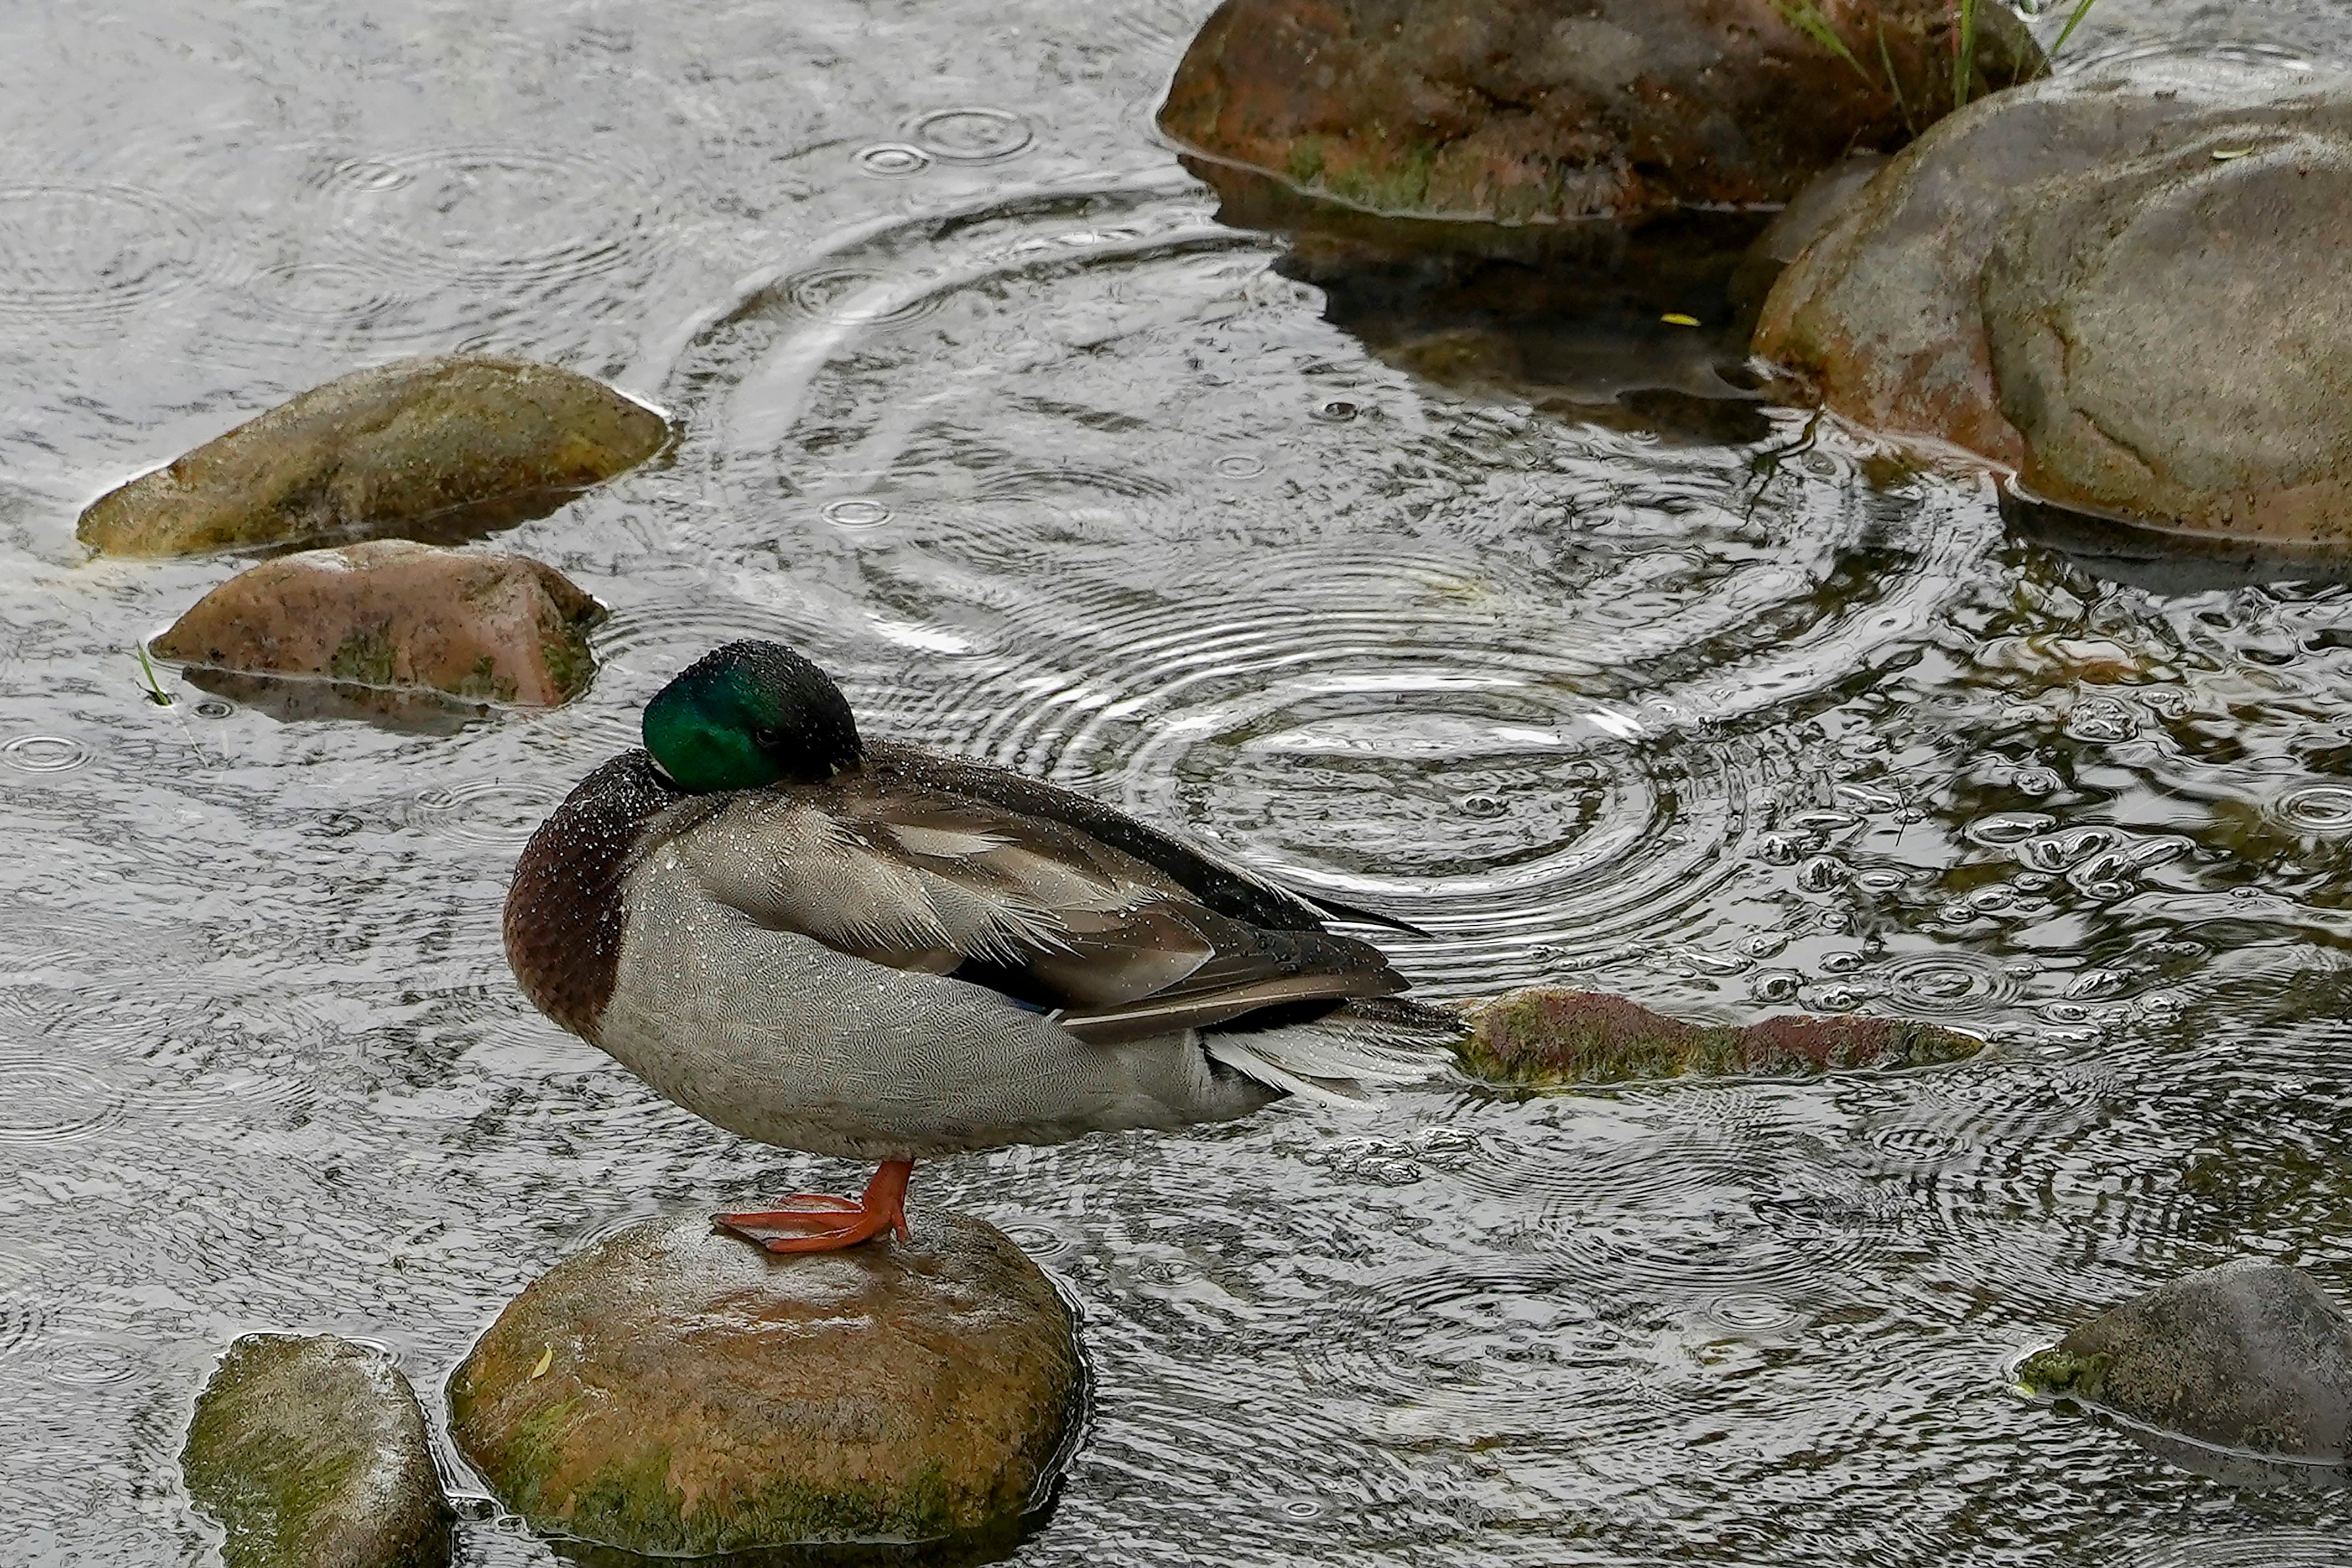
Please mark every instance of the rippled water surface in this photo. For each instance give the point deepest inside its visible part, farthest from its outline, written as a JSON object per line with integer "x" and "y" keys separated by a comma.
{"x": 983, "y": 406}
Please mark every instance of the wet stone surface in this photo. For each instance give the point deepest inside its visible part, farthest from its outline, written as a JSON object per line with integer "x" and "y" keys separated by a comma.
{"x": 390, "y": 615}
{"x": 448, "y": 445}
{"x": 2246, "y": 1356}
{"x": 677, "y": 1391}
{"x": 2098, "y": 280}
{"x": 1528, "y": 112}
{"x": 312, "y": 1453}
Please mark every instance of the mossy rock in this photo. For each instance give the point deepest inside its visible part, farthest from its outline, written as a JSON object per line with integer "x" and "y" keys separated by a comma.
{"x": 312, "y": 1453}
{"x": 393, "y": 615}
{"x": 449, "y": 446}
{"x": 2248, "y": 1356}
{"x": 1549, "y": 1036}
{"x": 676, "y": 1392}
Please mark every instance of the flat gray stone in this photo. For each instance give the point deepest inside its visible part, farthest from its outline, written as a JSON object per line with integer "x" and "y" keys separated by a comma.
{"x": 313, "y": 1453}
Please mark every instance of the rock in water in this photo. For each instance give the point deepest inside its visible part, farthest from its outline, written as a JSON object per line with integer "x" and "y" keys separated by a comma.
{"x": 675, "y": 1391}
{"x": 2157, "y": 341}
{"x": 1549, "y": 1036}
{"x": 2251, "y": 1357}
{"x": 389, "y": 613}
{"x": 313, "y": 1453}
{"x": 1540, "y": 110}
{"x": 450, "y": 443}
{"x": 2105, "y": 281}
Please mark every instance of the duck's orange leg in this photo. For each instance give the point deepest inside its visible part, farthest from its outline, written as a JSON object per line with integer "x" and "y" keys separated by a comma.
{"x": 814, "y": 1222}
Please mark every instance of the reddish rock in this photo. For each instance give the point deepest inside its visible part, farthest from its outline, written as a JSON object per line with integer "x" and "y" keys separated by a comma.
{"x": 1547, "y": 111}
{"x": 389, "y": 613}
{"x": 1548, "y": 1036}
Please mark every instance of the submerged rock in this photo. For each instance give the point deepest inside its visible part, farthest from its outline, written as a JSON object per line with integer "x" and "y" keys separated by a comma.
{"x": 2248, "y": 1356}
{"x": 1552, "y": 1037}
{"x": 1535, "y": 111}
{"x": 312, "y": 1453}
{"x": 678, "y": 1391}
{"x": 393, "y": 614}
{"x": 2106, "y": 282}
{"x": 447, "y": 444}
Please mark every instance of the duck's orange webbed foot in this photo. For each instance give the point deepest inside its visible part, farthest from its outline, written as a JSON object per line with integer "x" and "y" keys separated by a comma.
{"x": 816, "y": 1222}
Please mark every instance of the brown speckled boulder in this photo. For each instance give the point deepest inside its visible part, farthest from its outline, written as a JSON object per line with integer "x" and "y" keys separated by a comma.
{"x": 392, "y": 614}
{"x": 677, "y": 1392}
{"x": 442, "y": 445}
{"x": 313, "y": 1453}
{"x": 1547, "y": 111}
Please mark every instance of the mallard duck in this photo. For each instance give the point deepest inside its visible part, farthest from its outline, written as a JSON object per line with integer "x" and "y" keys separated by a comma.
{"x": 855, "y": 949}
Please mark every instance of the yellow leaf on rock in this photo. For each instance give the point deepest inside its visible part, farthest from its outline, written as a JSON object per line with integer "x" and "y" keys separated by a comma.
{"x": 1676, "y": 318}
{"x": 546, "y": 1360}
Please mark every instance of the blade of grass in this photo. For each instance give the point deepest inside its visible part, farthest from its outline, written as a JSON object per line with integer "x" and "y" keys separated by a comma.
{"x": 2082, "y": 9}
{"x": 1893, "y": 82}
{"x": 1805, "y": 16}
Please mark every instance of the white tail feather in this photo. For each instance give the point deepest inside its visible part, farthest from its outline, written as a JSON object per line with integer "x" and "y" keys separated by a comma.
{"x": 1330, "y": 1090}
{"x": 1334, "y": 1061}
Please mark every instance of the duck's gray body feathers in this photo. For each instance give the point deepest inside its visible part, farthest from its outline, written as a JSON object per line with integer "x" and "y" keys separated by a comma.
{"x": 779, "y": 961}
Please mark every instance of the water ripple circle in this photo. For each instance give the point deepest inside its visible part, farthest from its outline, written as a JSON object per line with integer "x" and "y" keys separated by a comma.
{"x": 891, "y": 160}
{"x": 52, "y": 1103}
{"x": 514, "y": 216}
{"x": 1946, "y": 984}
{"x": 44, "y": 754}
{"x": 975, "y": 135}
{"x": 1310, "y": 676}
{"x": 483, "y": 812}
{"x": 2324, "y": 809}
{"x": 95, "y": 250}
{"x": 309, "y": 295}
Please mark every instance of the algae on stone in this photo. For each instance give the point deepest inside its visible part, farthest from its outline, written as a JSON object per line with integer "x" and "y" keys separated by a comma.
{"x": 673, "y": 1391}
{"x": 313, "y": 1453}
{"x": 443, "y": 445}
{"x": 1547, "y": 1036}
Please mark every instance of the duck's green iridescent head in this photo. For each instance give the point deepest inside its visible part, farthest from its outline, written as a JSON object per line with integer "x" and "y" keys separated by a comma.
{"x": 747, "y": 715}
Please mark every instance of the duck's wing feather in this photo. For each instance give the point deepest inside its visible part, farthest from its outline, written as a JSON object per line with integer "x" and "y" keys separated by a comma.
{"x": 929, "y": 879}
{"x": 1223, "y": 887}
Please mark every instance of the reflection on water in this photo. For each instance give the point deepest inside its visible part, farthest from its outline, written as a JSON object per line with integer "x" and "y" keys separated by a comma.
{"x": 983, "y": 406}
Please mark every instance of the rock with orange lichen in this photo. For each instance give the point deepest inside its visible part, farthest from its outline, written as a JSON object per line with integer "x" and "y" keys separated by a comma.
{"x": 679, "y": 1393}
{"x": 1547, "y": 1036}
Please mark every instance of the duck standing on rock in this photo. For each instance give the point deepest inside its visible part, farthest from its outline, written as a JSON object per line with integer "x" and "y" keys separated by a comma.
{"x": 857, "y": 948}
